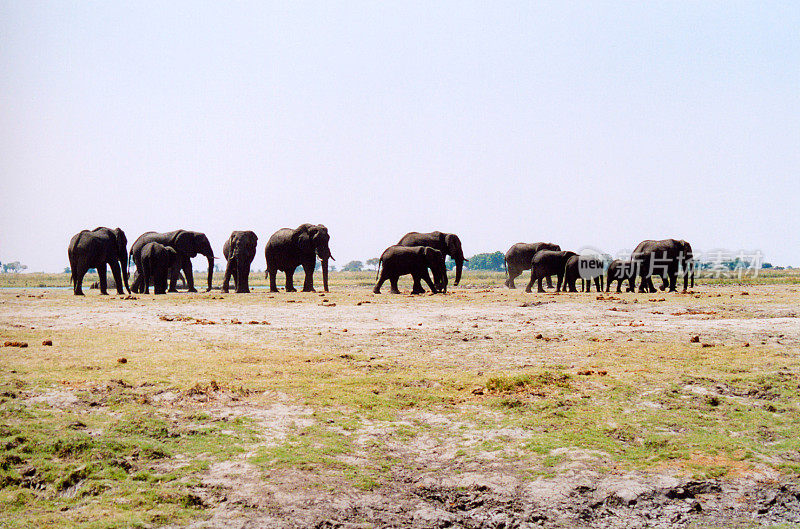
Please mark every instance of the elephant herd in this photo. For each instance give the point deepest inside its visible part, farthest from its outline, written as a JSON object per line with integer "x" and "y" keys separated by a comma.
{"x": 162, "y": 258}
{"x": 663, "y": 258}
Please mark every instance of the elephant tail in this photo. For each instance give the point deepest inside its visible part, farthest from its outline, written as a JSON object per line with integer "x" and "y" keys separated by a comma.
{"x": 378, "y": 271}
{"x": 505, "y": 267}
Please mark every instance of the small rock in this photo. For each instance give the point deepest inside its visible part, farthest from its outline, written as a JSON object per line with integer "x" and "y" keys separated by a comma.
{"x": 694, "y": 339}
{"x": 47, "y": 342}
{"x": 122, "y": 360}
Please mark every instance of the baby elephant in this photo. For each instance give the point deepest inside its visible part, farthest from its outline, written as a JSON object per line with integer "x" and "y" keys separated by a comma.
{"x": 585, "y": 268}
{"x": 621, "y": 271}
{"x": 415, "y": 260}
{"x": 547, "y": 263}
{"x": 239, "y": 250}
{"x": 157, "y": 260}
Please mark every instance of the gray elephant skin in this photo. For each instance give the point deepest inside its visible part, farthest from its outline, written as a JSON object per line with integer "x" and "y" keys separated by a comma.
{"x": 621, "y": 271}
{"x": 663, "y": 258}
{"x": 398, "y": 261}
{"x": 289, "y": 248}
{"x": 98, "y": 248}
{"x": 157, "y": 261}
{"x": 239, "y": 250}
{"x": 547, "y": 263}
{"x": 187, "y": 244}
{"x": 586, "y": 268}
{"x": 447, "y": 243}
{"x": 518, "y": 258}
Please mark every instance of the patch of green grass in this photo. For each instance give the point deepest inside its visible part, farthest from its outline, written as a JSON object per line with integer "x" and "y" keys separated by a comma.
{"x": 321, "y": 449}
{"x": 526, "y": 381}
{"x": 97, "y": 469}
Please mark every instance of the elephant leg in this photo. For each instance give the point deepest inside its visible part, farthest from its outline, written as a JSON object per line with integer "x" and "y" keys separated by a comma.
{"x": 417, "y": 288}
{"x": 643, "y": 284}
{"x": 393, "y": 281}
{"x": 187, "y": 273}
{"x": 548, "y": 280}
{"x": 273, "y": 279}
{"x": 377, "y": 289}
{"x": 77, "y": 289}
{"x": 290, "y": 281}
{"x": 157, "y": 278}
{"x": 308, "y": 281}
{"x": 136, "y": 282}
{"x": 427, "y": 278}
{"x": 226, "y": 280}
{"x": 173, "y": 279}
{"x": 513, "y": 273}
{"x": 560, "y": 277}
{"x": 147, "y": 277}
{"x": 529, "y": 286}
{"x": 101, "y": 271}
{"x": 597, "y": 284}
{"x": 115, "y": 271}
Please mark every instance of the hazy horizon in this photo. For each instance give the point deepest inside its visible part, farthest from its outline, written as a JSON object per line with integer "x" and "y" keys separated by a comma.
{"x": 585, "y": 124}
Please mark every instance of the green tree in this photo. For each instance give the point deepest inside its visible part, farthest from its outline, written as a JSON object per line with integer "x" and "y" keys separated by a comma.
{"x": 15, "y": 267}
{"x": 486, "y": 261}
{"x": 353, "y": 266}
{"x": 374, "y": 262}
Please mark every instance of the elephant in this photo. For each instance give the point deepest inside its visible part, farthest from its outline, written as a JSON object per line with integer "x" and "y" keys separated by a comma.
{"x": 239, "y": 250}
{"x": 663, "y": 258}
{"x": 585, "y": 267}
{"x": 187, "y": 244}
{"x": 415, "y": 260}
{"x": 447, "y": 243}
{"x": 157, "y": 261}
{"x": 518, "y": 258}
{"x": 96, "y": 249}
{"x": 110, "y": 283}
{"x": 547, "y": 263}
{"x": 289, "y": 248}
{"x": 621, "y": 271}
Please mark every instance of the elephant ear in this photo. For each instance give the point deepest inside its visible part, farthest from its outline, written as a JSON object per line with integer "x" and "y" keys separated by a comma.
{"x": 122, "y": 241}
{"x": 304, "y": 242}
{"x": 453, "y": 245}
{"x": 185, "y": 243}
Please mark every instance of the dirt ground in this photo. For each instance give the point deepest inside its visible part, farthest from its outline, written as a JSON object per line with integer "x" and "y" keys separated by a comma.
{"x": 413, "y": 413}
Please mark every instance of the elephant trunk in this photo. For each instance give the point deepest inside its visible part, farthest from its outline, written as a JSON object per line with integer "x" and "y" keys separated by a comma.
{"x": 459, "y": 267}
{"x": 325, "y": 274}
{"x": 210, "y": 270}
{"x": 242, "y": 274}
{"x": 123, "y": 267}
{"x": 125, "y": 275}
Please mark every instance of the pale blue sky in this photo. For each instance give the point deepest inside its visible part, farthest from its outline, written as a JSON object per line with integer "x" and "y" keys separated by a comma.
{"x": 598, "y": 123}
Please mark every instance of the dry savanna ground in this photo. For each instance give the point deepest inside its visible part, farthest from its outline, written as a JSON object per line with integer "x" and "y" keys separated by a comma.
{"x": 484, "y": 407}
